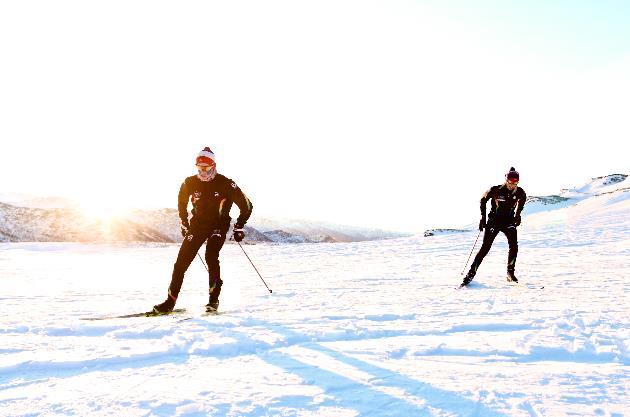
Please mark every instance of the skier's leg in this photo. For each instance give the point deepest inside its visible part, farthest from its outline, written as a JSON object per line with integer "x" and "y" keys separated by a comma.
{"x": 488, "y": 237}
{"x": 213, "y": 247}
{"x": 512, "y": 237}
{"x": 187, "y": 252}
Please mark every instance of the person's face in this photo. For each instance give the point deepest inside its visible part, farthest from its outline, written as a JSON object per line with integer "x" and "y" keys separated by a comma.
{"x": 511, "y": 184}
{"x": 205, "y": 171}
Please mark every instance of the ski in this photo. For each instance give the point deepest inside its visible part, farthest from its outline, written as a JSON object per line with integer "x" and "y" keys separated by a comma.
{"x": 145, "y": 314}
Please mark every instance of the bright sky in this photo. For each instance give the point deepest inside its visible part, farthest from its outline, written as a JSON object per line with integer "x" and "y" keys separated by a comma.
{"x": 392, "y": 114}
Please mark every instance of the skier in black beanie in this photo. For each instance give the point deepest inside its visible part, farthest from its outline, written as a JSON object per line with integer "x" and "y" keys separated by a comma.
{"x": 507, "y": 201}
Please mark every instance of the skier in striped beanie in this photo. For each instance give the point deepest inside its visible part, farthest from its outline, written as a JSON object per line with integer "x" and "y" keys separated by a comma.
{"x": 212, "y": 196}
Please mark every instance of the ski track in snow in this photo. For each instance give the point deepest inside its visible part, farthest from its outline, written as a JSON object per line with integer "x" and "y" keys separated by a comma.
{"x": 355, "y": 329}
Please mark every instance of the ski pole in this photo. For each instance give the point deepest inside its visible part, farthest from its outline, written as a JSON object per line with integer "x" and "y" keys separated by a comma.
{"x": 471, "y": 251}
{"x": 256, "y": 269}
{"x": 204, "y": 264}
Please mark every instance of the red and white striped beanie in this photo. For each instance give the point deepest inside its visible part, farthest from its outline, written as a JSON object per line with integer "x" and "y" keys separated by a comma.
{"x": 205, "y": 157}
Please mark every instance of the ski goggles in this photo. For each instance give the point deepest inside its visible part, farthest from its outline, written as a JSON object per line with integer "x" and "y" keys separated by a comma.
{"x": 513, "y": 181}
{"x": 205, "y": 168}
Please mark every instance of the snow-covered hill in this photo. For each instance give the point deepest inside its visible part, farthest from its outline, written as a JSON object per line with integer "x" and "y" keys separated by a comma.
{"x": 597, "y": 186}
{"x": 569, "y": 196}
{"x": 167, "y": 221}
{"x": 317, "y": 231}
{"x": 23, "y": 221}
{"x": 601, "y": 215}
{"x": 22, "y": 224}
{"x": 268, "y": 230}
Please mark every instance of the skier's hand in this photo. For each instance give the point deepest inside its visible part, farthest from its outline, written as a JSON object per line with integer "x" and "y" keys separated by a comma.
{"x": 238, "y": 234}
{"x": 517, "y": 220}
{"x": 482, "y": 223}
{"x": 184, "y": 227}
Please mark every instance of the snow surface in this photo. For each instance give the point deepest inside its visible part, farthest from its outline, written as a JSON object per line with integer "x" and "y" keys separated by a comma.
{"x": 351, "y": 329}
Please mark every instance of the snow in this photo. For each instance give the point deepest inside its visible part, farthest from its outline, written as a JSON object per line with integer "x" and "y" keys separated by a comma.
{"x": 351, "y": 329}
{"x": 599, "y": 185}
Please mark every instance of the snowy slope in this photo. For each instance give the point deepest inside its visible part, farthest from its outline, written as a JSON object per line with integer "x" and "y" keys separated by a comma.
{"x": 567, "y": 197}
{"x": 598, "y": 185}
{"x": 351, "y": 329}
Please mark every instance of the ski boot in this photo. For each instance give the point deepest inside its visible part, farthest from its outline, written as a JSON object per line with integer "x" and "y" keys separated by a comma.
{"x": 165, "y": 307}
{"x": 511, "y": 277}
{"x": 212, "y": 307}
{"x": 467, "y": 279}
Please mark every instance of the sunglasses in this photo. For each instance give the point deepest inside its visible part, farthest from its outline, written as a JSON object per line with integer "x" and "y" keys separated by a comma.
{"x": 205, "y": 168}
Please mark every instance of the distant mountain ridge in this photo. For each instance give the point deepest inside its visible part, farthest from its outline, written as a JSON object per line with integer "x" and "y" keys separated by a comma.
{"x": 25, "y": 224}
{"x": 317, "y": 231}
{"x": 63, "y": 224}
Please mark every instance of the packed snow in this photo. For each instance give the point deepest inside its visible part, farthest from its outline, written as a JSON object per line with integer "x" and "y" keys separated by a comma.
{"x": 351, "y": 329}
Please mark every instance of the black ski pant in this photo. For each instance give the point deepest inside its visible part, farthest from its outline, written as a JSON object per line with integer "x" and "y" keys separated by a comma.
{"x": 488, "y": 237}
{"x": 187, "y": 252}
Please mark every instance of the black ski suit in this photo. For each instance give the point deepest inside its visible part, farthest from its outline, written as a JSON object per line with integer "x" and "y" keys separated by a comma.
{"x": 211, "y": 201}
{"x": 506, "y": 206}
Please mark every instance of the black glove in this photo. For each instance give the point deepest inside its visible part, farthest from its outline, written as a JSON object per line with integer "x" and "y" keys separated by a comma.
{"x": 482, "y": 224}
{"x": 238, "y": 233}
{"x": 184, "y": 226}
{"x": 517, "y": 220}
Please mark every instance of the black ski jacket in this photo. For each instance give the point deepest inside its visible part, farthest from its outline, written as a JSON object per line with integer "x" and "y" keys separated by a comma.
{"x": 505, "y": 204}
{"x": 212, "y": 201}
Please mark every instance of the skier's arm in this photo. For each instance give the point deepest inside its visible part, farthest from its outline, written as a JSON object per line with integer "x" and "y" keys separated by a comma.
{"x": 244, "y": 204}
{"x": 482, "y": 203}
{"x": 182, "y": 203}
{"x": 482, "y": 207}
{"x": 520, "y": 203}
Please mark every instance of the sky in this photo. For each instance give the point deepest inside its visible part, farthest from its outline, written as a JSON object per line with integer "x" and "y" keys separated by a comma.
{"x": 390, "y": 114}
